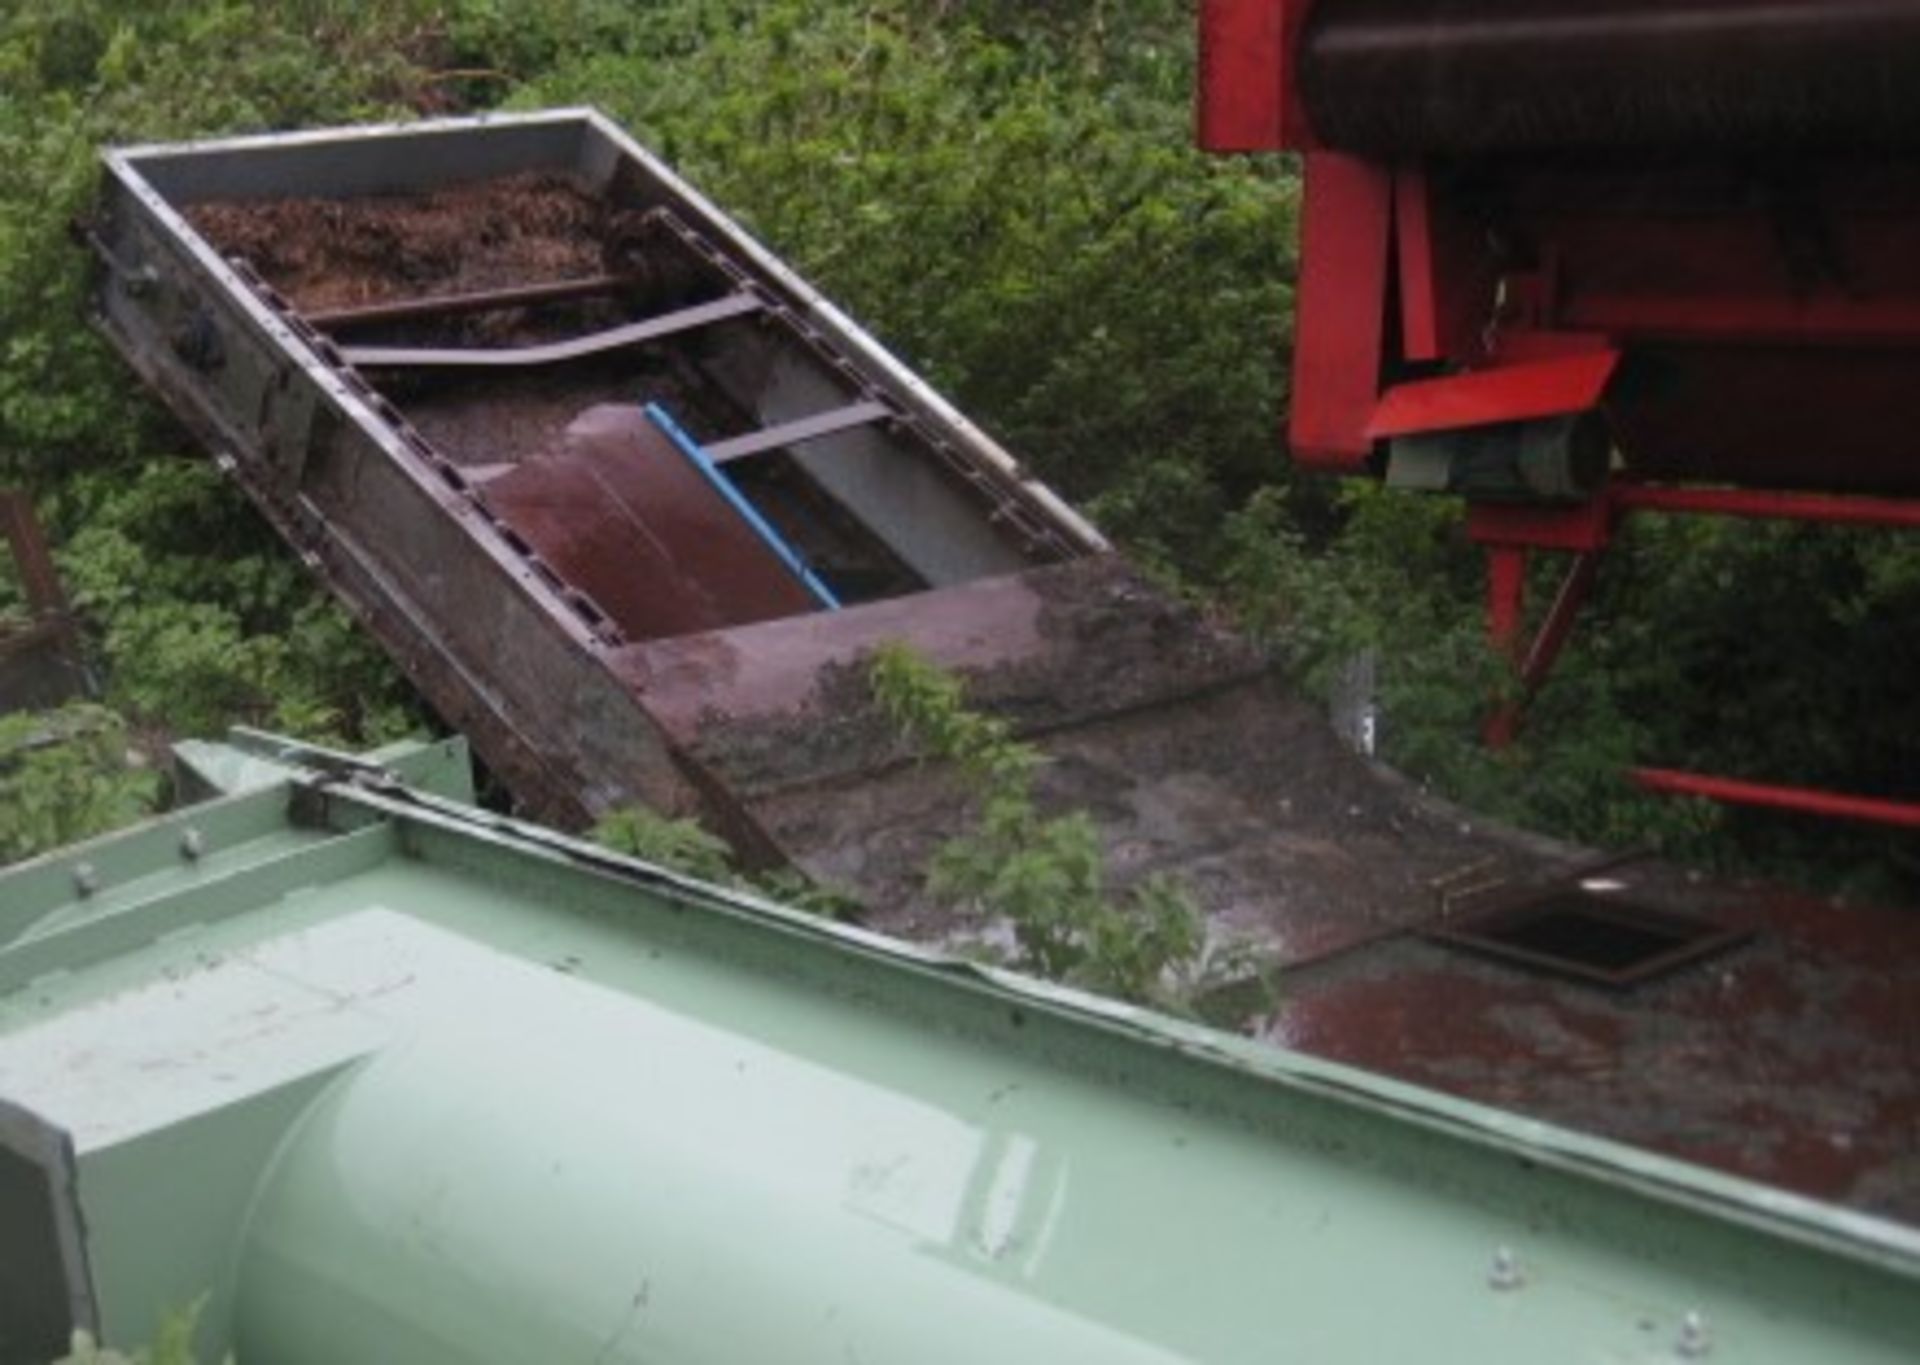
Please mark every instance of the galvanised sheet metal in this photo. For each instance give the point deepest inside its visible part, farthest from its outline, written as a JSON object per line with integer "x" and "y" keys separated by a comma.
{"x": 380, "y": 484}
{"x": 387, "y": 1078}
{"x": 623, "y": 511}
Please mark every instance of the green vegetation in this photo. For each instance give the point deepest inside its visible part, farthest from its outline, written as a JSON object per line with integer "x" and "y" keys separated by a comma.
{"x": 86, "y": 1351}
{"x": 1008, "y": 193}
{"x": 199, "y": 617}
{"x": 1044, "y": 873}
{"x": 68, "y": 774}
{"x": 684, "y": 846}
{"x": 173, "y": 1345}
{"x": 688, "y": 847}
{"x": 1784, "y": 653}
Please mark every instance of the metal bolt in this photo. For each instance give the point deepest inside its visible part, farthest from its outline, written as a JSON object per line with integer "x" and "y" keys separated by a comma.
{"x": 1505, "y": 1273}
{"x": 191, "y": 844}
{"x": 1696, "y": 1339}
{"x": 85, "y": 880}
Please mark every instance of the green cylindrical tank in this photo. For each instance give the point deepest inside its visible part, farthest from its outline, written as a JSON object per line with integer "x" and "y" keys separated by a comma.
{"x": 470, "y": 1199}
{"x": 372, "y": 1076}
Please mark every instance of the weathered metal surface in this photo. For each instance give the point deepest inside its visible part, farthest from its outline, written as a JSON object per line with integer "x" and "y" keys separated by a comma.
{"x": 385, "y": 1078}
{"x": 1793, "y": 1059}
{"x": 1186, "y": 748}
{"x": 628, "y": 335}
{"x": 477, "y": 301}
{"x": 801, "y": 430}
{"x": 624, "y": 514}
{"x": 1179, "y": 738}
{"x": 506, "y": 645}
{"x": 1174, "y": 733}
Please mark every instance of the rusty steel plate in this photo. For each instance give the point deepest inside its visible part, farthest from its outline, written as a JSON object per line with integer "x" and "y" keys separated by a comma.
{"x": 1598, "y": 938}
{"x": 624, "y": 512}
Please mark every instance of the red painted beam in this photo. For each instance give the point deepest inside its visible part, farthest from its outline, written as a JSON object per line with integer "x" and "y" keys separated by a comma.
{"x": 1579, "y": 527}
{"x": 1249, "y": 100}
{"x": 1505, "y": 393}
{"x": 1506, "y": 597}
{"x": 1574, "y": 591}
{"x": 1782, "y": 319}
{"x": 1802, "y": 800}
{"x": 1346, "y": 242}
{"x": 1504, "y": 626}
{"x": 1759, "y": 503}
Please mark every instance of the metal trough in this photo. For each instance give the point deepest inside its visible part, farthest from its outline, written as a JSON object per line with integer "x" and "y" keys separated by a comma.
{"x": 632, "y": 504}
{"x": 387, "y": 335}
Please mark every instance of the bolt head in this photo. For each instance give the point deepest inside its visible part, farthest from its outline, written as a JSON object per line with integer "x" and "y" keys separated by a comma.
{"x": 1505, "y": 1272}
{"x": 1696, "y": 1338}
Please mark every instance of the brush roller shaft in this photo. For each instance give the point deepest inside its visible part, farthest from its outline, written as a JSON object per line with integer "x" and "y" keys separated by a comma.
{"x": 1462, "y": 77}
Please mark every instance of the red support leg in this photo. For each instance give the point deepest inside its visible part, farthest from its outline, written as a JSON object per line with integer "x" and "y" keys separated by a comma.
{"x": 1504, "y": 723}
{"x": 1506, "y": 612}
{"x": 1506, "y": 597}
{"x": 1554, "y": 631}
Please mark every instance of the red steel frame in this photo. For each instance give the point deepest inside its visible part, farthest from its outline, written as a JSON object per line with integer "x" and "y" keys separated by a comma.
{"x": 51, "y": 614}
{"x": 1691, "y": 323}
{"x": 1510, "y": 534}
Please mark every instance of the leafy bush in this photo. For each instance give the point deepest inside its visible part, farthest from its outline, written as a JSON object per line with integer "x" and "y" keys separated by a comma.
{"x": 682, "y": 845}
{"x": 1022, "y": 215}
{"x": 687, "y": 847}
{"x": 172, "y": 1346}
{"x": 67, "y": 775}
{"x": 205, "y": 621}
{"x": 200, "y": 617}
{"x": 1667, "y": 667}
{"x": 1044, "y": 874}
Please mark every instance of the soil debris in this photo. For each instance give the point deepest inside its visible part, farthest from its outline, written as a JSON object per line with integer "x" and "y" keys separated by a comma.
{"x": 332, "y": 253}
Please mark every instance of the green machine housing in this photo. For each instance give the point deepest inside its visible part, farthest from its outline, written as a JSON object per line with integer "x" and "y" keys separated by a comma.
{"x": 369, "y": 1074}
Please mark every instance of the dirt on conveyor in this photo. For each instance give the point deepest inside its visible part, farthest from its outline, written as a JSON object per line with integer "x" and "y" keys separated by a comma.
{"x": 325, "y": 255}
{"x": 329, "y": 253}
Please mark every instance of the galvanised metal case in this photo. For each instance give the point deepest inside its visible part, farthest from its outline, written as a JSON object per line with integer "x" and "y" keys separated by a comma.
{"x": 509, "y": 581}
{"x": 373, "y": 1075}
{"x": 508, "y": 649}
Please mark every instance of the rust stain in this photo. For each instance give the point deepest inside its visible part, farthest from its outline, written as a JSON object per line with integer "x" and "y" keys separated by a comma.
{"x": 620, "y": 513}
{"x": 1795, "y": 1060}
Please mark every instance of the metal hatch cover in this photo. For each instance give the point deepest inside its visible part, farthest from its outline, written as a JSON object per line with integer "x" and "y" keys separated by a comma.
{"x": 1590, "y": 936}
